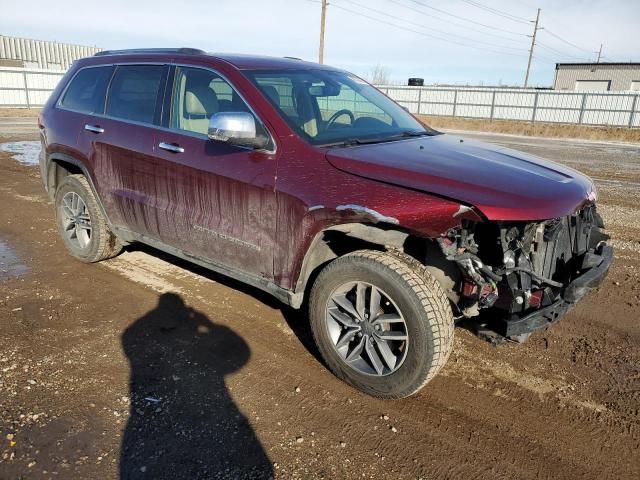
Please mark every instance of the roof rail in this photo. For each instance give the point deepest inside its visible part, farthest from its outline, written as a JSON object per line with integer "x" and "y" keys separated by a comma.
{"x": 140, "y": 51}
{"x": 292, "y": 58}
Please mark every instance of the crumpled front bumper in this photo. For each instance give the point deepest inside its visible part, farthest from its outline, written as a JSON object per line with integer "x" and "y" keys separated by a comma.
{"x": 570, "y": 295}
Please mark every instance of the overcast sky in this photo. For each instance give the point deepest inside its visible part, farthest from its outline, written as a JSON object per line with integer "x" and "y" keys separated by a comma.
{"x": 431, "y": 44}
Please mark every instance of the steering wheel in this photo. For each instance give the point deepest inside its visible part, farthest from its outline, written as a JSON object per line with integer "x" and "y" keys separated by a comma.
{"x": 337, "y": 115}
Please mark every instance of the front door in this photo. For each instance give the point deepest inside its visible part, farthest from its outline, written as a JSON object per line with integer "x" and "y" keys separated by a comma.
{"x": 218, "y": 200}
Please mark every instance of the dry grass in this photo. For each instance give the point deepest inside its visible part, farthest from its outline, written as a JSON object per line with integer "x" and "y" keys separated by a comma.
{"x": 19, "y": 112}
{"x": 537, "y": 129}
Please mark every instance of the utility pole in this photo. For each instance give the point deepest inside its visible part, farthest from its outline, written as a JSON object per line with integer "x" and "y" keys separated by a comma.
{"x": 323, "y": 17}
{"x": 533, "y": 43}
{"x": 599, "y": 54}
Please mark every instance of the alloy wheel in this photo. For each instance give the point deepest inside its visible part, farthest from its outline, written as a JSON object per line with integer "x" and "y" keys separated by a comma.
{"x": 76, "y": 220}
{"x": 367, "y": 328}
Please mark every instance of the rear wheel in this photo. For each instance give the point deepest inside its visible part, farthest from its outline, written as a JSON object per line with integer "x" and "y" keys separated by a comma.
{"x": 381, "y": 324}
{"x": 81, "y": 224}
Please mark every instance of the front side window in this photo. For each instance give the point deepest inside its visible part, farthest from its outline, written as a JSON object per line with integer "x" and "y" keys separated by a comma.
{"x": 198, "y": 94}
{"x": 327, "y": 108}
{"x": 86, "y": 91}
{"x": 134, "y": 91}
{"x": 349, "y": 101}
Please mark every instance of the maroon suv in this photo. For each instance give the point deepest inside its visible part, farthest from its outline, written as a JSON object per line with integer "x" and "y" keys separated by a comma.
{"x": 307, "y": 182}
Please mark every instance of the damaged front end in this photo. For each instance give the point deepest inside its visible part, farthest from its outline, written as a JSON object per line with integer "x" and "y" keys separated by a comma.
{"x": 527, "y": 273}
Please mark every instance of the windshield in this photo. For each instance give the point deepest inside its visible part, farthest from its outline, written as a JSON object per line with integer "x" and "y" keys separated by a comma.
{"x": 333, "y": 108}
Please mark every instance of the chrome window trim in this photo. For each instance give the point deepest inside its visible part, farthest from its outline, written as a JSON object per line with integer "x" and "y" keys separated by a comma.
{"x": 153, "y": 125}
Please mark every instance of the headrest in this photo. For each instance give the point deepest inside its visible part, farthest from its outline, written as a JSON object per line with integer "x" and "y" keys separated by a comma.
{"x": 200, "y": 100}
{"x": 272, "y": 93}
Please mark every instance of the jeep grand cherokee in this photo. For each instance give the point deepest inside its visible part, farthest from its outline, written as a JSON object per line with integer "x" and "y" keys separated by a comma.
{"x": 307, "y": 182}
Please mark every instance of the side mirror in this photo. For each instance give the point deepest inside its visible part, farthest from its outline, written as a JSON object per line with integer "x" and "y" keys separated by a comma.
{"x": 236, "y": 128}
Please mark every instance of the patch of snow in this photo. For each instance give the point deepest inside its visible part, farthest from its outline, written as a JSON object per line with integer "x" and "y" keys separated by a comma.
{"x": 26, "y": 152}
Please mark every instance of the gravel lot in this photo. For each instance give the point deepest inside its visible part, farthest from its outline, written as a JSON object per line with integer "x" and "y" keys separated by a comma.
{"x": 147, "y": 367}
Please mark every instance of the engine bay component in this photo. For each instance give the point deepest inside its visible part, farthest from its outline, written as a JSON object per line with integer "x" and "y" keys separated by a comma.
{"x": 520, "y": 268}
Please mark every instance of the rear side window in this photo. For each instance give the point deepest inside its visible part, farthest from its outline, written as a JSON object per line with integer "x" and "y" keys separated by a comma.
{"x": 133, "y": 94}
{"x": 86, "y": 91}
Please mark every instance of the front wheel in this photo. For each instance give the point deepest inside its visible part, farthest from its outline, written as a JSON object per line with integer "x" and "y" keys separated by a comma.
{"x": 381, "y": 324}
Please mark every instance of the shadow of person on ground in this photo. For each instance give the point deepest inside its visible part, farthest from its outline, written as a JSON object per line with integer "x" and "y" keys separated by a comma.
{"x": 183, "y": 422}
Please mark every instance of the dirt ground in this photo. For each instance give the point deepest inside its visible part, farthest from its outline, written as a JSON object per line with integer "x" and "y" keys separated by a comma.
{"x": 147, "y": 367}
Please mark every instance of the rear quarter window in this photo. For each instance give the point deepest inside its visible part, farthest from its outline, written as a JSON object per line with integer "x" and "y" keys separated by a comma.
{"x": 134, "y": 90}
{"x": 86, "y": 92}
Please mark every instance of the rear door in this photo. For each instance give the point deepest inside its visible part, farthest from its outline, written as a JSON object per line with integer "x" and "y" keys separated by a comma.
{"x": 121, "y": 148}
{"x": 217, "y": 200}
{"x": 81, "y": 100}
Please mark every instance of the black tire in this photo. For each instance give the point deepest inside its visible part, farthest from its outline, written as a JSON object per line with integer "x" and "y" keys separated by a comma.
{"x": 422, "y": 303}
{"x": 101, "y": 243}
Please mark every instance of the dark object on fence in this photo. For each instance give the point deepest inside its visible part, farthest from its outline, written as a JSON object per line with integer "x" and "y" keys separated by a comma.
{"x": 416, "y": 82}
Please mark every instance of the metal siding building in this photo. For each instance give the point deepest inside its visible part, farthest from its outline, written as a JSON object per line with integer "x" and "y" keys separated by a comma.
{"x": 29, "y": 53}
{"x": 613, "y": 77}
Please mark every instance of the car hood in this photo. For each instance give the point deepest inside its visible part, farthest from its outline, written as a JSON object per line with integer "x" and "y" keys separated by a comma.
{"x": 503, "y": 184}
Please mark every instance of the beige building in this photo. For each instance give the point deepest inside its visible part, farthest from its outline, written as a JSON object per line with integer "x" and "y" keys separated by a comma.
{"x": 601, "y": 77}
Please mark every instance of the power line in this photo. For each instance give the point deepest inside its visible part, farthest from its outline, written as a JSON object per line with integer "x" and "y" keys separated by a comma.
{"x": 452, "y": 22}
{"x": 544, "y": 59}
{"x": 501, "y": 13}
{"x": 419, "y": 32}
{"x": 380, "y": 12}
{"x": 497, "y": 12}
{"x": 466, "y": 19}
{"x": 489, "y": 27}
{"x": 558, "y": 52}
{"x": 504, "y": 14}
{"x": 567, "y": 41}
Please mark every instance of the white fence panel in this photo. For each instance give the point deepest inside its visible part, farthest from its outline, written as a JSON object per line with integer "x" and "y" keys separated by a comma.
{"x": 24, "y": 87}
{"x": 38, "y": 97}
{"x": 410, "y": 106}
{"x": 554, "y": 115}
{"x": 588, "y": 108}
{"x": 13, "y": 98}
{"x": 503, "y": 112}
{"x": 407, "y": 95}
{"x": 27, "y": 87}
{"x": 563, "y": 100}
{"x": 436, "y": 109}
{"x": 473, "y": 111}
{"x": 9, "y": 79}
{"x": 436, "y": 102}
{"x": 42, "y": 81}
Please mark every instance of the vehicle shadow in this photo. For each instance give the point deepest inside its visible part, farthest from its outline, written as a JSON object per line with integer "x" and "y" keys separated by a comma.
{"x": 183, "y": 422}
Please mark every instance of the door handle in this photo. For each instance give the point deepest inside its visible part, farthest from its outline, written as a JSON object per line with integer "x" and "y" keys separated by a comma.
{"x": 94, "y": 128}
{"x": 171, "y": 147}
